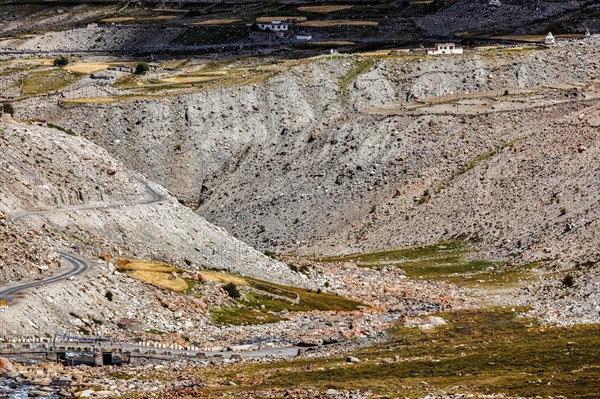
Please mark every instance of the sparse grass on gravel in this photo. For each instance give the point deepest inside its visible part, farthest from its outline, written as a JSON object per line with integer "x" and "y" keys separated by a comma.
{"x": 336, "y": 22}
{"x": 42, "y": 82}
{"x": 481, "y": 352}
{"x": 359, "y": 67}
{"x": 265, "y": 300}
{"x": 324, "y": 9}
{"x": 445, "y": 261}
{"x": 158, "y": 274}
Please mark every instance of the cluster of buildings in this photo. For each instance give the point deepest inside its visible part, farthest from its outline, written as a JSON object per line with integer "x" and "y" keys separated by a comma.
{"x": 446, "y": 48}
{"x": 281, "y": 29}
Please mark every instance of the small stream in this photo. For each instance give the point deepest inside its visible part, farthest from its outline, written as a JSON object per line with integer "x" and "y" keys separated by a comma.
{"x": 10, "y": 389}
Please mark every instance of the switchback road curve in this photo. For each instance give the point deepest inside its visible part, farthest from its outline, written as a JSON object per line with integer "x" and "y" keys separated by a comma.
{"x": 78, "y": 265}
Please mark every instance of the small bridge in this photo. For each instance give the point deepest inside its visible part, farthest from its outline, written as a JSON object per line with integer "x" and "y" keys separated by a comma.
{"x": 72, "y": 350}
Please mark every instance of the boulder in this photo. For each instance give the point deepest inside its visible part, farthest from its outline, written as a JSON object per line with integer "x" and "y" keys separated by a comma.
{"x": 7, "y": 370}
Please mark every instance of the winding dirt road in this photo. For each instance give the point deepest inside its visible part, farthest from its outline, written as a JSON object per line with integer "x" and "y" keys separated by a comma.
{"x": 78, "y": 265}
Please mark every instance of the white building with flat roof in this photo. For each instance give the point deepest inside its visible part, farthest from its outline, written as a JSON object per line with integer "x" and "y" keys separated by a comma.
{"x": 274, "y": 26}
{"x": 550, "y": 39}
{"x": 446, "y": 48}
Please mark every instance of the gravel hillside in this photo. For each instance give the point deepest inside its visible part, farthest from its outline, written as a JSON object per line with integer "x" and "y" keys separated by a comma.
{"x": 24, "y": 255}
{"x": 48, "y": 170}
{"x": 294, "y": 161}
{"x": 341, "y": 155}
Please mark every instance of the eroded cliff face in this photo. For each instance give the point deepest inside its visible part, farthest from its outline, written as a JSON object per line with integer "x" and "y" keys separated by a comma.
{"x": 298, "y": 163}
{"x": 91, "y": 200}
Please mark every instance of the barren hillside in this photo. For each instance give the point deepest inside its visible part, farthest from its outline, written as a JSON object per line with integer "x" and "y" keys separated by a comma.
{"x": 296, "y": 162}
{"x": 24, "y": 255}
{"x": 89, "y": 198}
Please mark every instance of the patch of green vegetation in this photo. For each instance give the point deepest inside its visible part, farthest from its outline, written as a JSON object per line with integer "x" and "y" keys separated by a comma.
{"x": 62, "y": 129}
{"x": 239, "y": 316}
{"x": 479, "y": 352}
{"x": 61, "y": 61}
{"x": 309, "y": 300}
{"x": 427, "y": 251}
{"x": 127, "y": 81}
{"x": 42, "y": 82}
{"x": 232, "y": 290}
{"x": 265, "y": 299}
{"x": 445, "y": 261}
{"x": 359, "y": 67}
{"x": 191, "y": 284}
{"x": 8, "y": 108}
{"x": 119, "y": 375}
{"x": 474, "y": 162}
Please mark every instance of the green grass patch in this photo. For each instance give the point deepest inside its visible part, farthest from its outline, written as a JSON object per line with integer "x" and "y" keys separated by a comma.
{"x": 456, "y": 248}
{"x": 42, "y": 82}
{"x": 359, "y": 67}
{"x": 445, "y": 261}
{"x": 481, "y": 352}
{"x": 239, "y": 316}
{"x": 62, "y": 129}
{"x": 268, "y": 303}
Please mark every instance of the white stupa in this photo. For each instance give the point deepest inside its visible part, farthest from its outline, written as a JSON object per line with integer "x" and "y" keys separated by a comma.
{"x": 587, "y": 33}
{"x": 549, "y": 39}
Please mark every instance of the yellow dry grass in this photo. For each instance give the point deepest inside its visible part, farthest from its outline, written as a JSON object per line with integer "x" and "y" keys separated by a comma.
{"x": 269, "y": 19}
{"x": 92, "y": 100}
{"x": 324, "y": 9}
{"x": 160, "y": 279}
{"x": 40, "y": 61}
{"x": 159, "y": 274}
{"x": 170, "y": 10}
{"x": 223, "y": 278}
{"x": 337, "y": 22}
{"x": 217, "y": 22}
{"x": 334, "y": 43}
{"x": 161, "y": 18}
{"x": 87, "y": 67}
{"x": 187, "y": 79}
{"x": 115, "y": 20}
{"x": 139, "y": 265}
{"x": 382, "y": 53}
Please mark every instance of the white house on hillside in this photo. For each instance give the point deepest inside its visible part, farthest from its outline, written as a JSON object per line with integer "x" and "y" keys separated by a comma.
{"x": 446, "y": 48}
{"x": 550, "y": 38}
{"x": 274, "y": 26}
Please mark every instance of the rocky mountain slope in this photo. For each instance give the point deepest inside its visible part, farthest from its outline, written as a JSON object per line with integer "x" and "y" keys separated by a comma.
{"x": 335, "y": 156}
{"x": 72, "y": 196}
{"x": 24, "y": 255}
{"x": 291, "y": 163}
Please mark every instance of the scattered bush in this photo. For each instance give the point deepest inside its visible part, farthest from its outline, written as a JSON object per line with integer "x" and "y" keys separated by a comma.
{"x": 109, "y": 295}
{"x": 568, "y": 280}
{"x": 61, "y": 61}
{"x": 8, "y": 108}
{"x": 232, "y": 290}
{"x": 141, "y": 68}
